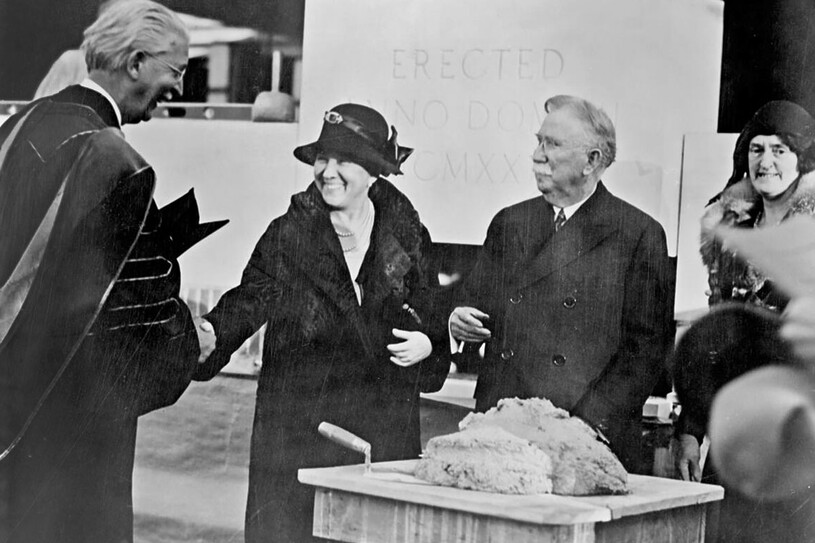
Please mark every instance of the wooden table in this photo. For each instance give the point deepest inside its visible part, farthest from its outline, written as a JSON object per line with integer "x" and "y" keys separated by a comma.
{"x": 351, "y": 506}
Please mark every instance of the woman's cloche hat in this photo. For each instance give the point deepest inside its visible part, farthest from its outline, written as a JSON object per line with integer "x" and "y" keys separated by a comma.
{"x": 360, "y": 134}
{"x": 772, "y": 119}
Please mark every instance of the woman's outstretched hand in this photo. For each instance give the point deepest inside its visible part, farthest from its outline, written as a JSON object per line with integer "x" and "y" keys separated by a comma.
{"x": 415, "y": 348}
{"x": 206, "y": 338}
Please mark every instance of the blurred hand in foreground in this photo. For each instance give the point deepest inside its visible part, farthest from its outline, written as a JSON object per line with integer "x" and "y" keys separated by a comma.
{"x": 799, "y": 328}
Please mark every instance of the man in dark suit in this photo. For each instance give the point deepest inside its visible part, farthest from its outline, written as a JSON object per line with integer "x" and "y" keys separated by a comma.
{"x": 92, "y": 330}
{"x": 572, "y": 289}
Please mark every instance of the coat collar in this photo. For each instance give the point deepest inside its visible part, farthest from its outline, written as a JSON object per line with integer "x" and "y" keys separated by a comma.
{"x": 740, "y": 205}
{"x": 395, "y": 217}
{"x": 589, "y": 226}
{"x": 396, "y": 242}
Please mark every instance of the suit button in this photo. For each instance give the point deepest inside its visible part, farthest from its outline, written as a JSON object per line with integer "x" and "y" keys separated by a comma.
{"x": 516, "y": 298}
{"x": 569, "y": 302}
{"x": 559, "y": 360}
{"x": 506, "y": 354}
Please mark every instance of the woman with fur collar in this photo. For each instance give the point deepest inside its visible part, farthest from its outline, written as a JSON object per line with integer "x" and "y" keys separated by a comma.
{"x": 343, "y": 282}
{"x": 772, "y": 180}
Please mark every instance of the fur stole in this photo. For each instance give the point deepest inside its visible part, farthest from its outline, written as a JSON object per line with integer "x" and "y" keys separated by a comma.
{"x": 394, "y": 210}
{"x": 740, "y": 206}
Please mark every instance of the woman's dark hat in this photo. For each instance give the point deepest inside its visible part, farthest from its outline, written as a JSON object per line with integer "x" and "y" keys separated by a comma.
{"x": 773, "y": 118}
{"x": 360, "y": 134}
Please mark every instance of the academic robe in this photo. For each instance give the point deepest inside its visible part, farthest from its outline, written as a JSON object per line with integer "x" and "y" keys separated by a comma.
{"x": 92, "y": 330}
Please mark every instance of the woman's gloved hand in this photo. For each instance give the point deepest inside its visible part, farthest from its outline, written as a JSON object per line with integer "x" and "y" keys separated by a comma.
{"x": 415, "y": 348}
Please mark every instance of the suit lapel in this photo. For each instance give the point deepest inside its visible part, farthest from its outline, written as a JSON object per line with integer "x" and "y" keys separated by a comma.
{"x": 526, "y": 236}
{"x": 586, "y": 229}
{"x": 539, "y": 230}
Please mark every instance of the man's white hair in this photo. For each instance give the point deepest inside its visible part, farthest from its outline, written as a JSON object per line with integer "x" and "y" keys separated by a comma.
{"x": 125, "y": 26}
{"x": 599, "y": 127}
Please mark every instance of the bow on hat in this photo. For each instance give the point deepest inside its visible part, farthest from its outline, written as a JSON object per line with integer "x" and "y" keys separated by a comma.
{"x": 393, "y": 151}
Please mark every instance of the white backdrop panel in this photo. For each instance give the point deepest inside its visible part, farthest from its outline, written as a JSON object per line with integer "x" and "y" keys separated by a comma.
{"x": 464, "y": 81}
{"x": 706, "y": 166}
{"x": 241, "y": 171}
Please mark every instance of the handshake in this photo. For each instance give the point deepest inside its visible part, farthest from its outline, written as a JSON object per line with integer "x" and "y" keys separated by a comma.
{"x": 414, "y": 347}
{"x": 206, "y": 338}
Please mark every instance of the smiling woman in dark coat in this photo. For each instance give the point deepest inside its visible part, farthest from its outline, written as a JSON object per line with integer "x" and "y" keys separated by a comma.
{"x": 344, "y": 283}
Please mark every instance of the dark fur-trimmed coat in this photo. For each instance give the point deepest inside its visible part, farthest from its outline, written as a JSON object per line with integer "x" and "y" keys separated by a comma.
{"x": 325, "y": 355}
{"x": 738, "y": 335}
{"x": 730, "y": 278}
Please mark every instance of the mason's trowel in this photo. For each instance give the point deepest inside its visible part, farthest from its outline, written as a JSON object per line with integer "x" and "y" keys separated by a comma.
{"x": 348, "y": 440}
{"x": 353, "y": 442}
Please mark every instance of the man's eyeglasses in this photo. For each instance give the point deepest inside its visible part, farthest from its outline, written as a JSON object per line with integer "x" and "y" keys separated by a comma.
{"x": 178, "y": 73}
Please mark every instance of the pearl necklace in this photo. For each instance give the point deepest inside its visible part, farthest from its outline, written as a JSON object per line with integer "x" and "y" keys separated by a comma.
{"x": 362, "y": 230}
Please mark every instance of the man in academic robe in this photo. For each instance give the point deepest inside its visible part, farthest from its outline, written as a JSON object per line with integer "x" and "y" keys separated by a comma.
{"x": 92, "y": 330}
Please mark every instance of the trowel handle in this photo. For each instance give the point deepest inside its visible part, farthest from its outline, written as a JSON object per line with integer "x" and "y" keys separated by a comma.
{"x": 344, "y": 438}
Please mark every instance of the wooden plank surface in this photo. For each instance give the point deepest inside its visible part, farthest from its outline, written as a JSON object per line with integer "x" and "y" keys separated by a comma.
{"x": 679, "y": 525}
{"x": 648, "y": 494}
{"x": 347, "y": 516}
{"x": 358, "y": 518}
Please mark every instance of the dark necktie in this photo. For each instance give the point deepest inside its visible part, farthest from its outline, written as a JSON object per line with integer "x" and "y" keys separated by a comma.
{"x": 560, "y": 220}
